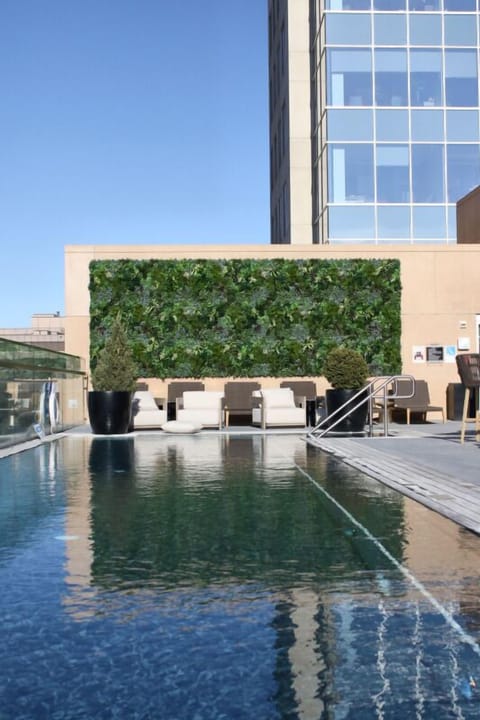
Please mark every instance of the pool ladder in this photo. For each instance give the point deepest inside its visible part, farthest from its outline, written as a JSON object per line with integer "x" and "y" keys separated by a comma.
{"x": 378, "y": 393}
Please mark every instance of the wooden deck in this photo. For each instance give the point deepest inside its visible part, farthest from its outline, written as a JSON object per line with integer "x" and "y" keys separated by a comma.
{"x": 428, "y": 464}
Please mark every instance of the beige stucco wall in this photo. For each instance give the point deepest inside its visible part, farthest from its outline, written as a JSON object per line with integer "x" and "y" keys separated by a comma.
{"x": 440, "y": 292}
{"x": 299, "y": 142}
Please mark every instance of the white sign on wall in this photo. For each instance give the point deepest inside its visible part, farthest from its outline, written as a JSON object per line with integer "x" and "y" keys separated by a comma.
{"x": 418, "y": 353}
{"x": 463, "y": 343}
{"x": 449, "y": 353}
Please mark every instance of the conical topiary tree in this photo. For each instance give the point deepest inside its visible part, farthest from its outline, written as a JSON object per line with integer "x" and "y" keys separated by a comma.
{"x": 115, "y": 368}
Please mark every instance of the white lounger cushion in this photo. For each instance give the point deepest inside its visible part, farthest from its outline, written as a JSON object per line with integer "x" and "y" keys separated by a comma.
{"x": 202, "y": 399}
{"x": 278, "y": 397}
{"x": 175, "y": 426}
{"x": 146, "y": 413}
{"x": 201, "y": 408}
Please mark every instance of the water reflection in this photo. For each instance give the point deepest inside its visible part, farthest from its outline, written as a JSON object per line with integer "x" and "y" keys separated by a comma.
{"x": 208, "y": 576}
{"x": 29, "y": 493}
{"x": 110, "y": 455}
{"x": 220, "y": 512}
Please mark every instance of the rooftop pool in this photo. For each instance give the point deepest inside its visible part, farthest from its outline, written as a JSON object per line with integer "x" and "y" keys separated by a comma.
{"x": 213, "y": 577}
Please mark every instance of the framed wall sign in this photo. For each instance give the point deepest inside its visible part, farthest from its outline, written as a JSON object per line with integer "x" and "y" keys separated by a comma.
{"x": 434, "y": 353}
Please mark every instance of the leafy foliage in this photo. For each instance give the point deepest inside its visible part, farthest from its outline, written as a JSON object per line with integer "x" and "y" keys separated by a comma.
{"x": 246, "y": 318}
{"x": 115, "y": 368}
{"x": 345, "y": 368}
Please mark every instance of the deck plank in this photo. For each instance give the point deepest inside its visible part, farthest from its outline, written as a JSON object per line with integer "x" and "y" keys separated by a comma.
{"x": 444, "y": 491}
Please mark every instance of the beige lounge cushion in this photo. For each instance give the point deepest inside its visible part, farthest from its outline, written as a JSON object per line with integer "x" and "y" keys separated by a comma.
{"x": 176, "y": 426}
{"x": 144, "y": 400}
{"x": 145, "y": 412}
{"x": 280, "y": 416}
{"x": 196, "y": 399}
{"x": 278, "y": 398}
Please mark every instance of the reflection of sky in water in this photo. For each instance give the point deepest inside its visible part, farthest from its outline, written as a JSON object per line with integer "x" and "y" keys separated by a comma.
{"x": 175, "y": 578}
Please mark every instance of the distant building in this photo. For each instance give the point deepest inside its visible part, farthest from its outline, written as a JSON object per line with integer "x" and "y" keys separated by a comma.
{"x": 374, "y": 119}
{"x": 47, "y": 331}
{"x": 468, "y": 218}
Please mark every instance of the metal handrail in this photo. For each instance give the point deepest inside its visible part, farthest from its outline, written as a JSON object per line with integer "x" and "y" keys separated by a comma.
{"x": 376, "y": 388}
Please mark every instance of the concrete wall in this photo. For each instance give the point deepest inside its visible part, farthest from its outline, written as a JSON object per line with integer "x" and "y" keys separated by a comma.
{"x": 440, "y": 295}
{"x": 300, "y": 150}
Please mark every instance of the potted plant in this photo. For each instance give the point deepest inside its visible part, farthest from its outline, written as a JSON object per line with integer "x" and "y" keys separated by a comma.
{"x": 347, "y": 372}
{"x": 114, "y": 378}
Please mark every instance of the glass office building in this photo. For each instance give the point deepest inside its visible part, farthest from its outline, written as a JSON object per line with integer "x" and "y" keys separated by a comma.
{"x": 394, "y": 101}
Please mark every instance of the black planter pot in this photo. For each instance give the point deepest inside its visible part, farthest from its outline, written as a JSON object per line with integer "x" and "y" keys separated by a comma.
{"x": 356, "y": 421}
{"x": 109, "y": 412}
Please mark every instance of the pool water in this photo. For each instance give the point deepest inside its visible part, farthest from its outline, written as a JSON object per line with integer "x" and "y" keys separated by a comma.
{"x": 207, "y": 577}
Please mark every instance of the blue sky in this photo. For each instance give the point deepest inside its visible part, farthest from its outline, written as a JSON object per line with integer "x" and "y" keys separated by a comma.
{"x": 126, "y": 121}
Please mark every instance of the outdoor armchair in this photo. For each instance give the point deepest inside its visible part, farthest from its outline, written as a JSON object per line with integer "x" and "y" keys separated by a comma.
{"x": 278, "y": 407}
{"x": 238, "y": 399}
{"x": 176, "y": 389}
{"x": 307, "y": 389}
{"x": 418, "y": 403}
{"x": 201, "y": 408}
{"x": 145, "y": 411}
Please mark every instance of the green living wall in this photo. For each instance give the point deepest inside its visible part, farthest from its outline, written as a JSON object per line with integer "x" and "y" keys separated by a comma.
{"x": 246, "y": 318}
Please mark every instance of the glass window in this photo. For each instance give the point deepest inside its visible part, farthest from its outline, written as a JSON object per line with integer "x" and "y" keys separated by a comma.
{"x": 392, "y": 174}
{"x": 392, "y": 124}
{"x": 351, "y": 223}
{"x": 350, "y": 124}
{"x": 463, "y": 170}
{"x": 389, "y": 4}
{"x": 391, "y": 77}
{"x": 424, "y": 5}
{"x": 425, "y": 29}
{"x": 452, "y": 222}
{"x": 462, "y": 125}
{"x": 349, "y": 74}
{"x": 426, "y": 77}
{"x": 393, "y": 222}
{"x": 429, "y": 223}
{"x": 460, "y": 5}
{"x": 461, "y": 79}
{"x": 427, "y": 174}
{"x": 460, "y": 30}
{"x": 348, "y": 29}
{"x": 427, "y": 125}
{"x": 348, "y": 4}
{"x": 350, "y": 173}
{"x": 390, "y": 29}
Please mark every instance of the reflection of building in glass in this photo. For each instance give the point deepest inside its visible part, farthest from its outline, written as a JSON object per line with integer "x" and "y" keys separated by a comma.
{"x": 374, "y": 107}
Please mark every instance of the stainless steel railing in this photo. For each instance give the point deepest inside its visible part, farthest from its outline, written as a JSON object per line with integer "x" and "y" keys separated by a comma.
{"x": 384, "y": 390}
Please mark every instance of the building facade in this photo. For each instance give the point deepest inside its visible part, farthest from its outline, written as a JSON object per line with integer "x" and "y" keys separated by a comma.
{"x": 47, "y": 331}
{"x": 374, "y": 119}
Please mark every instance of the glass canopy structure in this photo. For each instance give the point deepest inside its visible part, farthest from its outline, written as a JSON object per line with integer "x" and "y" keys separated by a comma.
{"x": 41, "y": 392}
